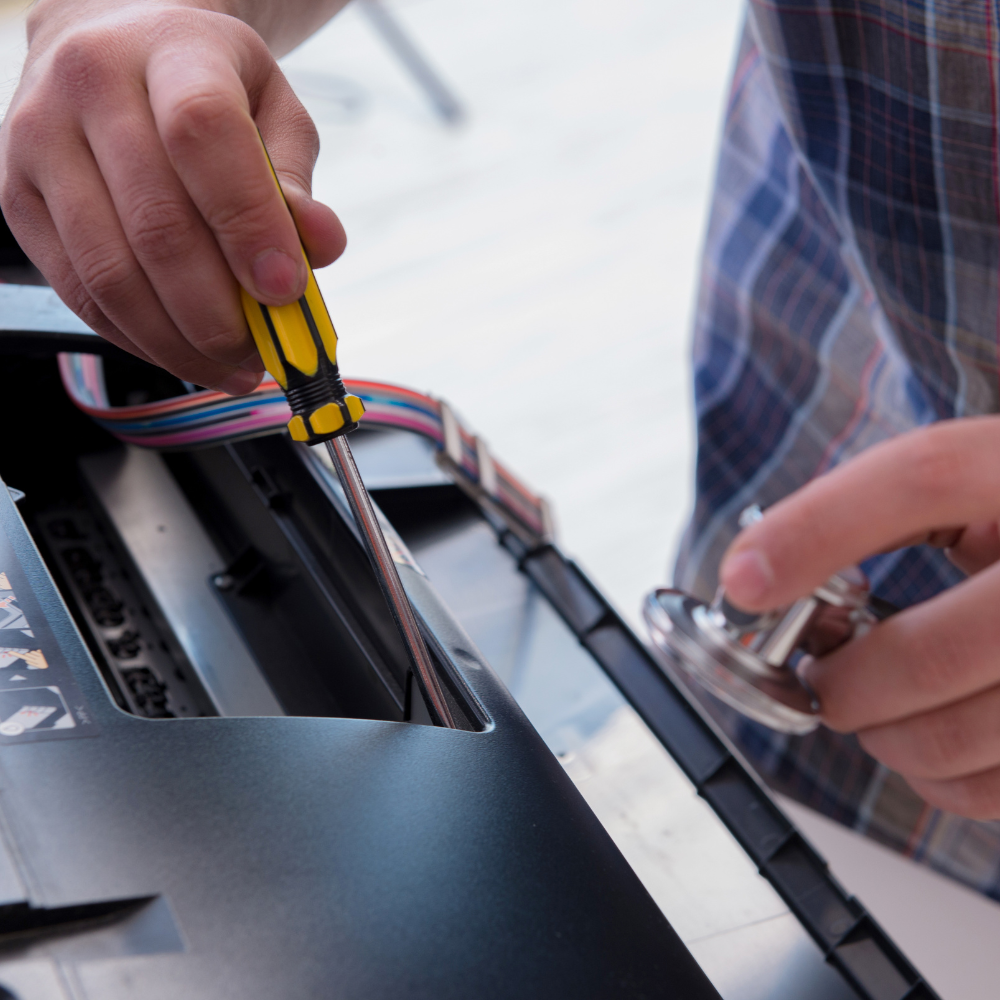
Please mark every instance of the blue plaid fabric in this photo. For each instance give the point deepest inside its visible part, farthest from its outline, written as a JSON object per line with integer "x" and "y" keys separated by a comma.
{"x": 849, "y": 293}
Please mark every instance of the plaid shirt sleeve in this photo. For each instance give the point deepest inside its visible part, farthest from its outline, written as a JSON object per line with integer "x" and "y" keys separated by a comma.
{"x": 848, "y": 294}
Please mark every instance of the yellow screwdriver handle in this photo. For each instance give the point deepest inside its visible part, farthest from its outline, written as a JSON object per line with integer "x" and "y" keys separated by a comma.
{"x": 298, "y": 346}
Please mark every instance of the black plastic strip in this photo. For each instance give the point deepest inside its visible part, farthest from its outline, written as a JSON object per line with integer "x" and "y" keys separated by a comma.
{"x": 35, "y": 344}
{"x": 851, "y": 940}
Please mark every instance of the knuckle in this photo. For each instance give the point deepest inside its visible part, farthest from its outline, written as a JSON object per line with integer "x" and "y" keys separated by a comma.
{"x": 239, "y": 221}
{"x": 195, "y": 117}
{"x": 72, "y": 292}
{"x": 160, "y": 230}
{"x": 106, "y": 272}
{"x": 90, "y": 312}
{"x": 20, "y": 203}
{"x": 84, "y": 66}
{"x": 26, "y": 127}
{"x": 76, "y": 296}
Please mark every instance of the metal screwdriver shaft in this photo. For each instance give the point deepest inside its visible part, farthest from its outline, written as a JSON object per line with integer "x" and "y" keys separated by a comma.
{"x": 387, "y": 575}
{"x": 298, "y": 346}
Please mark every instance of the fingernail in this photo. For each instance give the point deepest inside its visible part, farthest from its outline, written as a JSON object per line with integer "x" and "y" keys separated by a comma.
{"x": 276, "y": 275}
{"x": 747, "y": 577}
{"x": 806, "y": 669}
{"x": 239, "y": 383}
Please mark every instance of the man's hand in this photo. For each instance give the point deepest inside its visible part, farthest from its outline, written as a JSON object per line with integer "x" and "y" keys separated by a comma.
{"x": 131, "y": 173}
{"x": 922, "y": 689}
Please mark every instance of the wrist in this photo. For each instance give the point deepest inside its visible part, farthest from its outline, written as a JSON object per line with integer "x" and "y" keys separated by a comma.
{"x": 282, "y": 24}
{"x": 50, "y": 18}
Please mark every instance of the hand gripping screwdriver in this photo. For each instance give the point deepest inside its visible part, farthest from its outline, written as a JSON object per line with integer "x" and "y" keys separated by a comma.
{"x": 298, "y": 346}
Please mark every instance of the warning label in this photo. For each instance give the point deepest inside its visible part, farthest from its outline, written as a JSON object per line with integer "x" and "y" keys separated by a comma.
{"x": 33, "y": 708}
{"x": 39, "y": 698}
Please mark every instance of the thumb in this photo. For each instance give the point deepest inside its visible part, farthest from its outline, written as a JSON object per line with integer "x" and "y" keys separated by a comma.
{"x": 319, "y": 228}
{"x": 293, "y": 145}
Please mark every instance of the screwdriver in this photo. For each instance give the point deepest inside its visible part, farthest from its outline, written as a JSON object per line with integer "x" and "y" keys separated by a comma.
{"x": 298, "y": 346}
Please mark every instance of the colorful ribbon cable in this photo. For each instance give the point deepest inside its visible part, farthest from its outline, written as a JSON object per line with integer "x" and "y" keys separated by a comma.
{"x": 206, "y": 417}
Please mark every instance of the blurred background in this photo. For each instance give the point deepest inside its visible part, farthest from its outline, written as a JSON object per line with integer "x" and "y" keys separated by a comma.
{"x": 535, "y": 264}
{"x": 524, "y": 233}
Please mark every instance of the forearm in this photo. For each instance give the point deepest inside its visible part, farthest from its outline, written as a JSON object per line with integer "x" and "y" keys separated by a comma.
{"x": 283, "y": 24}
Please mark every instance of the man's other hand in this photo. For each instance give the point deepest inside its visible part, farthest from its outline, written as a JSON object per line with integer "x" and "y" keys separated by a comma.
{"x": 131, "y": 173}
{"x": 922, "y": 689}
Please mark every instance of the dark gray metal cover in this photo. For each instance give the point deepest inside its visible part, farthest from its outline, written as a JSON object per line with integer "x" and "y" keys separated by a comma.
{"x": 297, "y": 857}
